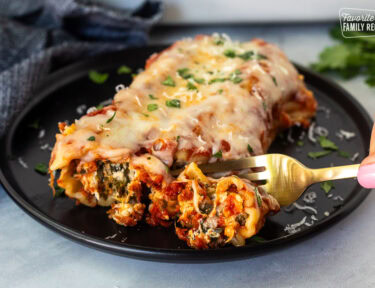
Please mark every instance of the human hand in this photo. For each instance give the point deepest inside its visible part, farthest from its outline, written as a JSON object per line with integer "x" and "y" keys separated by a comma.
{"x": 366, "y": 172}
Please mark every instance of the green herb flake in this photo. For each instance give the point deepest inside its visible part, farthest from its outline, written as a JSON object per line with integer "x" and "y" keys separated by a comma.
{"x": 248, "y": 55}
{"x": 327, "y": 186}
{"x": 230, "y": 53}
{"x": 191, "y": 86}
{"x": 261, "y": 57}
{"x": 326, "y": 143}
{"x": 98, "y": 78}
{"x": 257, "y": 239}
{"x": 318, "y": 154}
{"x": 174, "y": 103}
{"x": 146, "y": 115}
{"x": 91, "y": 138}
{"x": 152, "y": 97}
{"x": 169, "y": 82}
{"x": 219, "y": 41}
{"x": 41, "y": 168}
{"x": 264, "y": 105}
{"x": 199, "y": 80}
{"x": 218, "y": 154}
{"x": 110, "y": 119}
{"x": 152, "y": 107}
{"x": 99, "y": 107}
{"x": 215, "y": 80}
{"x": 249, "y": 148}
{"x": 343, "y": 154}
{"x": 236, "y": 80}
{"x": 184, "y": 73}
{"x": 58, "y": 191}
{"x": 300, "y": 143}
{"x": 134, "y": 75}
{"x": 178, "y": 138}
{"x": 123, "y": 69}
{"x": 259, "y": 199}
{"x": 220, "y": 91}
{"x": 274, "y": 80}
{"x": 35, "y": 124}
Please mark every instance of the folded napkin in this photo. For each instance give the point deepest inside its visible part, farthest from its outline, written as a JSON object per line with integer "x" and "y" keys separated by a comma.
{"x": 40, "y": 36}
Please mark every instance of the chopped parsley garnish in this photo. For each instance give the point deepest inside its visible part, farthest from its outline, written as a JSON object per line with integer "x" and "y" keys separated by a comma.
{"x": 236, "y": 80}
{"x": 110, "y": 119}
{"x": 258, "y": 239}
{"x": 98, "y": 78}
{"x": 152, "y": 97}
{"x": 58, "y": 191}
{"x": 199, "y": 80}
{"x": 214, "y": 80}
{"x": 34, "y": 124}
{"x": 327, "y": 186}
{"x": 318, "y": 154}
{"x": 300, "y": 143}
{"x": 274, "y": 80}
{"x": 326, "y": 143}
{"x": 134, "y": 75}
{"x": 247, "y": 55}
{"x": 123, "y": 69}
{"x": 219, "y": 41}
{"x": 41, "y": 168}
{"x": 184, "y": 73}
{"x": 99, "y": 107}
{"x": 152, "y": 107}
{"x": 261, "y": 57}
{"x": 218, "y": 154}
{"x": 230, "y": 53}
{"x": 249, "y": 148}
{"x": 191, "y": 86}
{"x": 344, "y": 154}
{"x": 259, "y": 199}
{"x": 146, "y": 115}
{"x": 174, "y": 103}
{"x": 178, "y": 138}
{"x": 237, "y": 72}
{"x": 220, "y": 91}
{"x": 91, "y": 138}
{"x": 169, "y": 82}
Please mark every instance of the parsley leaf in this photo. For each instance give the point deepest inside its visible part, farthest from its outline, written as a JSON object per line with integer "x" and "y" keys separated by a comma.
{"x": 91, "y": 138}
{"x": 318, "y": 154}
{"x": 259, "y": 199}
{"x": 300, "y": 143}
{"x": 152, "y": 97}
{"x": 261, "y": 57}
{"x": 99, "y": 107}
{"x": 274, "y": 80}
{"x": 343, "y": 154}
{"x": 199, "y": 80}
{"x": 152, "y": 107}
{"x": 58, "y": 191}
{"x": 249, "y": 148}
{"x": 184, "y": 73}
{"x": 191, "y": 86}
{"x": 174, "y": 103}
{"x": 247, "y": 55}
{"x": 327, "y": 186}
{"x": 98, "y": 78}
{"x": 110, "y": 119}
{"x": 230, "y": 53}
{"x": 326, "y": 143}
{"x": 218, "y": 154}
{"x": 41, "y": 168}
{"x": 123, "y": 69}
{"x": 169, "y": 82}
{"x": 214, "y": 80}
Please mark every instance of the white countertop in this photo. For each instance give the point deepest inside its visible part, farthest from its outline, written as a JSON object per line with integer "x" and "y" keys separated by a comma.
{"x": 342, "y": 256}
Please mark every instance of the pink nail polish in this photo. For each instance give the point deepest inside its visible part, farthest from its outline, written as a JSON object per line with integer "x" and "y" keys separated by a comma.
{"x": 366, "y": 175}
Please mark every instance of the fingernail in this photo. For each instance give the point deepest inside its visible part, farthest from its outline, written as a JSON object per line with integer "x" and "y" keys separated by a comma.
{"x": 366, "y": 175}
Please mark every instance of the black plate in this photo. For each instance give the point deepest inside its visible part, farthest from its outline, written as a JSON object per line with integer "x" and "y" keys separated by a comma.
{"x": 57, "y": 100}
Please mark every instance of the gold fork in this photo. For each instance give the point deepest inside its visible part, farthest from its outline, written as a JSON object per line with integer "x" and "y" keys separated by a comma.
{"x": 285, "y": 177}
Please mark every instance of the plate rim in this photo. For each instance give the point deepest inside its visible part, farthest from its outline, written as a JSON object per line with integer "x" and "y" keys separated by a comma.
{"x": 74, "y": 71}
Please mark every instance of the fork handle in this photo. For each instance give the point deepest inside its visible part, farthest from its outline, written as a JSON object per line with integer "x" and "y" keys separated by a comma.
{"x": 333, "y": 173}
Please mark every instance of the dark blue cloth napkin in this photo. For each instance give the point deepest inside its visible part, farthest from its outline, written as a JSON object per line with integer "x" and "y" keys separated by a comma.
{"x": 38, "y": 37}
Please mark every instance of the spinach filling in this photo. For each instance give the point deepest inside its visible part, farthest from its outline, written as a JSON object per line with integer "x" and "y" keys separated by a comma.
{"x": 112, "y": 178}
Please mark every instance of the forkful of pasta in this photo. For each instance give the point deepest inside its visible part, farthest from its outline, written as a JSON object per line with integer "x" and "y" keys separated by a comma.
{"x": 281, "y": 176}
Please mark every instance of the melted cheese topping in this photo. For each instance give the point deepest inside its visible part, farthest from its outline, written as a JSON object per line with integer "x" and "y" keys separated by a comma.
{"x": 223, "y": 96}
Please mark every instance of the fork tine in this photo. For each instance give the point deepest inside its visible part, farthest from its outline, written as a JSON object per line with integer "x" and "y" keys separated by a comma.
{"x": 258, "y": 176}
{"x": 233, "y": 165}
